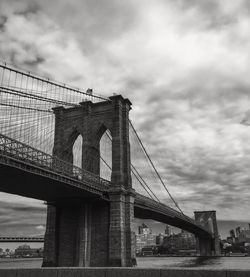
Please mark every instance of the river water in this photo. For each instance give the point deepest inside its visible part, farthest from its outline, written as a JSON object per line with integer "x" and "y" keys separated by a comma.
{"x": 155, "y": 262}
{"x": 195, "y": 262}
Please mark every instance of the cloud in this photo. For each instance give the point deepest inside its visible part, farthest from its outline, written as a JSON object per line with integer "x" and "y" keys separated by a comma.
{"x": 40, "y": 227}
{"x": 20, "y": 216}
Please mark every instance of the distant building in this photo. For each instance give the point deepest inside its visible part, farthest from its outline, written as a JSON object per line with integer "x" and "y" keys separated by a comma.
{"x": 144, "y": 238}
{"x": 167, "y": 230}
{"x": 182, "y": 241}
{"x": 238, "y": 230}
{"x": 26, "y": 251}
{"x": 144, "y": 230}
{"x": 159, "y": 239}
{"x": 232, "y": 233}
{"x": 149, "y": 250}
{"x": 230, "y": 240}
{"x": 244, "y": 236}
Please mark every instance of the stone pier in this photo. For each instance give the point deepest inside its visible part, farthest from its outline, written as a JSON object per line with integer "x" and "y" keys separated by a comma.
{"x": 89, "y": 231}
{"x": 208, "y": 246}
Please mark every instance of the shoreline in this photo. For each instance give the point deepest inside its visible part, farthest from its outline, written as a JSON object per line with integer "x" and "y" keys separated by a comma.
{"x": 122, "y": 272}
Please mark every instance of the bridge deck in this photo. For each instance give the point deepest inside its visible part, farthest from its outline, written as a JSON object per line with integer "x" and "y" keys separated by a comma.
{"x": 21, "y": 239}
{"x": 31, "y": 173}
{"x": 146, "y": 208}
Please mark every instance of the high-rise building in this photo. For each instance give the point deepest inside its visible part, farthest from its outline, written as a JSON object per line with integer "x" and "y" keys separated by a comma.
{"x": 144, "y": 237}
{"x": 232, "y": 233}
{"x": 167, "y": 230}
{"x": 144, "y": 229}
{"x": 159, "y": 239}
{"x": 238, "y": 231}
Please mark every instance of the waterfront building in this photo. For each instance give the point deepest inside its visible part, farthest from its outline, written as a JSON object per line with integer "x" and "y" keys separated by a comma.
{"x": 144, "y": 230}
{"x": 26, "y": 251}
{"x": 168, "y": 230}
{"x": 182, "y": 241}
{"x": 244, "y": 236}
{"x": 238, "y": 230}
{"x": 149, "y": 250}
{"x": 159, "y": 239}
{"x": 232, "y": 233}
{"x": 144, "y": 238}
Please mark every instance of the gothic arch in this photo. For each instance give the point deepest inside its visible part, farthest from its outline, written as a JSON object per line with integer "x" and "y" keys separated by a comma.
{"x": 101, "y": 129}
{"x": 68, "y": 143}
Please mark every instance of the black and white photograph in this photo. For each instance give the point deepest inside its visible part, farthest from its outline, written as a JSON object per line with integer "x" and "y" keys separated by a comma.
{"x": 124, "y": 138}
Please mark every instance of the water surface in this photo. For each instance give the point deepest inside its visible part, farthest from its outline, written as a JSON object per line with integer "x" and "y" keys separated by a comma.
{"x": 154, "y": 262}
{"x": 195, "y": 262}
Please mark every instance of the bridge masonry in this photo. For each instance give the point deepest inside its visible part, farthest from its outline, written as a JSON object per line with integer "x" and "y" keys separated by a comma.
{"x": 90, "y": 231}
{"x": 208, "y": 246}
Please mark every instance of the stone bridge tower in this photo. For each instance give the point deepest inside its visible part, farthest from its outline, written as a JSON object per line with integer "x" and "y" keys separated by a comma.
{"x": 89, "y": 231}
{"x": 208, "y": 246}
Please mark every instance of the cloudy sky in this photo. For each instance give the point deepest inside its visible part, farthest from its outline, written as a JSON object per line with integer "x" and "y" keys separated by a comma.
{"x": 183, "y": 64}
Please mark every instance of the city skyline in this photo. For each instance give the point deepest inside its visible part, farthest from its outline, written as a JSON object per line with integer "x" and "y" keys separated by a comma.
{"x": 183, "y": 66}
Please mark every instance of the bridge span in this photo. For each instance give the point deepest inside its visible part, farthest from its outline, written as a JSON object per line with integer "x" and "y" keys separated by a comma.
{"x": 89, "y": 219}
{"x": 55, "y": 178}
{"x": 21, "y": 239}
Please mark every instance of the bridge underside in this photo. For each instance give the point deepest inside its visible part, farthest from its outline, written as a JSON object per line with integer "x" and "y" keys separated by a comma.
{"x": 44, "y": 186}
{"x": 41, "y": 185}
{"x": 62, "y": 192}
{"x": 164, "y": 217}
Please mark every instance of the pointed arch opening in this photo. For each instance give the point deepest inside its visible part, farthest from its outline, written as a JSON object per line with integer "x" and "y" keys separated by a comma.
{"x": 210, "y": 224}
{"x": 105, "y": 146}
{"x": 77, "y": 151}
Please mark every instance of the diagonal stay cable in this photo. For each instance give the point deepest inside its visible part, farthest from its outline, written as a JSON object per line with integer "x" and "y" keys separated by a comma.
{"x": 152, "y": 164}
{"x": 142, "y": 180}
{"x": 136, "y": 178}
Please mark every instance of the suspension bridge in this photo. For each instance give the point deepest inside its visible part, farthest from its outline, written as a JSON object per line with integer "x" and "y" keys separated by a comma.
{"x": 79, "y": 152}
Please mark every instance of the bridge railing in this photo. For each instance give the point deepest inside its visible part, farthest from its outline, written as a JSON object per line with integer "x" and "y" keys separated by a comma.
{"x": 17, "y": 150}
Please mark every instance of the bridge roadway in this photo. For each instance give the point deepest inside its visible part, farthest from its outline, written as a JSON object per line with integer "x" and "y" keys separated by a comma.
{"x": 29, "y": 172}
